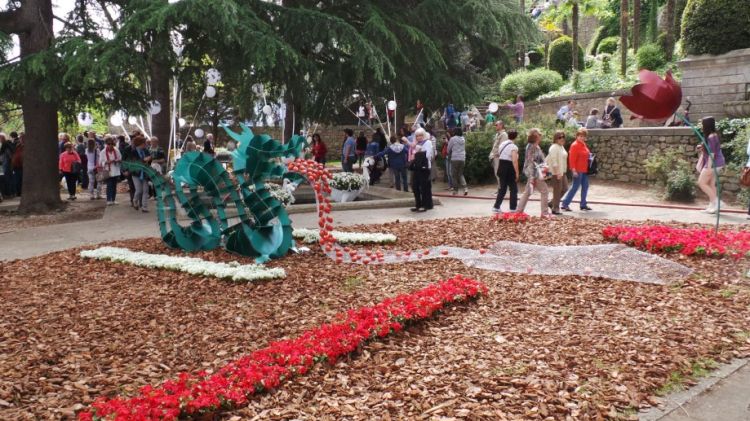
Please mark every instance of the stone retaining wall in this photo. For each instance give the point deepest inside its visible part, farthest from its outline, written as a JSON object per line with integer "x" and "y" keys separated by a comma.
{"x": 621, "y": 152}
{"x": 710, "y": 81}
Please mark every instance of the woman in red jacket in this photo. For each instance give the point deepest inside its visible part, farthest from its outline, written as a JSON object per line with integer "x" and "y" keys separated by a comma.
{"x": 578, "y": 162}
{"x": 319, "y": 149}
{"x": 70, "y": 167}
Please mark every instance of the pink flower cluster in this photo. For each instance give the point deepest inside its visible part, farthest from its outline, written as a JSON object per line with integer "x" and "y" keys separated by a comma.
{"x": 512, "y": 217}
{"x": 266, "y": 368}
{"x": 693, "y": 241}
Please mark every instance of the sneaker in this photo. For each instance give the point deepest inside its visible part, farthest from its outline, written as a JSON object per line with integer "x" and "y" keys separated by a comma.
{"x": 466, "y": 192}
{"x": 497, "y": 210}
{"x": 566, "y": 209}
{"x": 415, "y": 209}
{"x": 586, "y": 208}
{"x": 144, "y": 210}
{"x": 556, "y": 213}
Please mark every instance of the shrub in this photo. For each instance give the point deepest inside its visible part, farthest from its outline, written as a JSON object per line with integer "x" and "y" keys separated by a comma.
{"x": 530, "y": 83}
{"x": 536, "y": 57}
{"x": 715, "y": 26}
{"x": 674, "y": 173}
{"x": 650, "y": 57}
{"x": 661, "y": 41}
{"x": 608, "y": 45}
{"x": 560, "y": 56}
{"x": 680, "y": 185}
{"x": 599, "y": 35}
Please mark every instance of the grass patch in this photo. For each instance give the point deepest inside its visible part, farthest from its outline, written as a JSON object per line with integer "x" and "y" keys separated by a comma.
{"x": 742, "y": 336}
{"x": 676, "y": 382}
{"x": 353, "y": 282}
{"x": 728, "y": 292}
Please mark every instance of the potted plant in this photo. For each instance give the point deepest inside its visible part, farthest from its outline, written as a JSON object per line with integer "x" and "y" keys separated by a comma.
{"x": 346, "y": 186}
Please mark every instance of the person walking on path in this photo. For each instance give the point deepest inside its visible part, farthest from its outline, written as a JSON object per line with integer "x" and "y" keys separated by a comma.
{"x": 457, "y": 157}
{"x": 70, "y": 167}
{"x": 578, "y": 161}
{"x": 397, "y": 154}
{"x": 507, "y": 172}
{"x": 420, "y": 167}
{"x": 111, "y": 163}
{"x": 500, "y": 137}
{"x": 446, "y": 159}
{"x": 709, "y": 160}
{"x": 535, "y": 174}
{"x": 141, "y": 155}
{"x": 319, "y": 149}
{"x": 518, "y": 109}
{"x": 93, "y": 165}
{"x": 361, "y": 147}
{"x": 348, "y": 151}
{"x": 557, "y": 161}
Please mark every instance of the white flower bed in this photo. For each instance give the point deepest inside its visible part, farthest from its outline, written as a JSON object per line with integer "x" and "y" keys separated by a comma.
{"x": 191, "y": 265}
{"x": 347, "y": 181}
{"x": 313, "y": 236}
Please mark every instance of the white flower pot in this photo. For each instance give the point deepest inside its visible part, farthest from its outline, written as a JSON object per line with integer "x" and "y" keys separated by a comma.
{"x": 343, "y": 196}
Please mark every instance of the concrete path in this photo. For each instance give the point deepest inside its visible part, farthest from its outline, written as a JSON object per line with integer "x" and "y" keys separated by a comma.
{"x": 728, "y": 400}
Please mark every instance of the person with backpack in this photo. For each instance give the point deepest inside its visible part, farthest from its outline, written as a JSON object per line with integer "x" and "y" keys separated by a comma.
{"x": 70, "y": 166}
{"x": 579, "y": 158}
{"x": 507, "y": 172}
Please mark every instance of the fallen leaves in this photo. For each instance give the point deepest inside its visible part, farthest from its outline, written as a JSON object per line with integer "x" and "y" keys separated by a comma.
{"x": 566, "y": 342}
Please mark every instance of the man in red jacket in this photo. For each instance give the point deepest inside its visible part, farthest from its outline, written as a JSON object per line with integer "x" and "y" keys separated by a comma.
{"x": 578, "y": 162}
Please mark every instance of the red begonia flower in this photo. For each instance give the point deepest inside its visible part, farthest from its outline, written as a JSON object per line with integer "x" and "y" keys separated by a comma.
{"x": 654, "y": 98}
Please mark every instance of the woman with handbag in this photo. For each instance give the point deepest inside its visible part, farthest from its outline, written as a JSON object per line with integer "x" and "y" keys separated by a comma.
{"x": 557, "y": 161}
{"x": 70, "y": 167}
{"x": 612, "y": 118}
{"x": 535, "y": 171}
{"x": 110, "y": 169}
{"x": 709, "y": 162}
{"x": 507, "y": 172}
{"x": 579, "y": 157}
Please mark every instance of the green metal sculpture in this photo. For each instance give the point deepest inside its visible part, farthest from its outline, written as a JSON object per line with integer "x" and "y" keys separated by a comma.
{"x": 264, "y": 230}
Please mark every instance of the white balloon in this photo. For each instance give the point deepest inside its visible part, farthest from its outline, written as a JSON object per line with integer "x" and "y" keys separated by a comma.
{"x": 267, "y": 110}
{"x": 199, "y": 133}
{"x": 392, "y": 105}
{"x": 493, "y": 107}
{"x": 85, "y": 119}
{"x": 210, "y": 92}
{"x": 182, "y": 122}
{"x": 132, "y": 120}
{"x": 154, "y": 107}
{"x": 116, "y": 119}
{"x": 258, "y": 89}
{"x": 213, "y": 76}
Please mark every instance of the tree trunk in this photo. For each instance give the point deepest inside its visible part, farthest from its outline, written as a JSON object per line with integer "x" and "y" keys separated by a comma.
{"x": 160, "y": 123}
{"x": 574, "y": 19}
{"x": 636, "y": 25}
{"x": 669, "y": 16}
{"x": 523, "y": 6}
{"x": 292, "y": 120}
{"x": 565, "y": 27}
{"x": 41, "y": 185}
{"x": 623, "y": 37}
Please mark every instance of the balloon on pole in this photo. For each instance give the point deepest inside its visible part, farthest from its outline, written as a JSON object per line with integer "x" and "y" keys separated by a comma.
{"x": 493, "y": 107}
{"x": 210, "y": 92}
{"x": 85, "y": 119}
{"x": 267, "y": 110}
{"x": 132, "y": 120}
{"x": 213, "y": 76}
{"x": 392, "y": 105}
{"x": 199, "y": 133}
{"x": 117, "y": 118}
{"x": 182, "y": 122}
{"x": 154, "y": 107}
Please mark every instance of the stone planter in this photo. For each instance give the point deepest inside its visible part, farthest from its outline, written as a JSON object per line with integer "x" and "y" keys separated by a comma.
{"x": 737, "y": 109}
{"x": 343, "y": 196}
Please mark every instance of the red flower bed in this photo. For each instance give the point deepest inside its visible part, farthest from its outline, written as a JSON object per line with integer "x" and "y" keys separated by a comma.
{"x": 512, "y": 217}
{"x": 265, "y": 369}
{"x": 663, "y": 239}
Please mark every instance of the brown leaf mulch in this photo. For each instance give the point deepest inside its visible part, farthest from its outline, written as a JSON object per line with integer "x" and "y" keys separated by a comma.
{"x": 538, "y": 347}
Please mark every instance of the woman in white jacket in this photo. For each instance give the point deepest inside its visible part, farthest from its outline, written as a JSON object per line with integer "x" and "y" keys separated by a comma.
{"x": 557, "y": 161}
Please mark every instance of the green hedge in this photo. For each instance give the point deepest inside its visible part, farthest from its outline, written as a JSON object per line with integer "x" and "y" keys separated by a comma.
{"x": 560, "y": 56}
{"x": 608, "y": 45}
{"x": 530, "y": 83}
{"x": 651, "y": 57}
{"x": 599, "y": 35}
{"x": 715, "y": 26}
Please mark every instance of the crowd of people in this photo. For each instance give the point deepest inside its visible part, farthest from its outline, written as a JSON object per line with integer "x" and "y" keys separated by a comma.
{"x": 610, "y": 118}
{"x": 94, "y": 162}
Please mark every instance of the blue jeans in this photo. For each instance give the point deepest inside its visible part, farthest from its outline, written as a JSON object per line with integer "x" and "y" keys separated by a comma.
{"x": 399, "y": 178}
{"x": 448, "y": 172}
{"x": 348, "y": 166}
{"x": 112, "y": 188}
{"x": 582, "y": 181}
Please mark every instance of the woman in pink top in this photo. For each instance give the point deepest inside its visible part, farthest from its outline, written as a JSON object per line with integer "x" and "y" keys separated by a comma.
{"x": 70, "y": 167}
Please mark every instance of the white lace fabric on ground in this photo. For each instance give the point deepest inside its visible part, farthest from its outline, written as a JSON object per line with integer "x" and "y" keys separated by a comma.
{"x": 611, "y": 261}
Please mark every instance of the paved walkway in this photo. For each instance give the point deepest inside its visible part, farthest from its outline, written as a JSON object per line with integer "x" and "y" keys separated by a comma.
{"x": 728, "y": 400}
